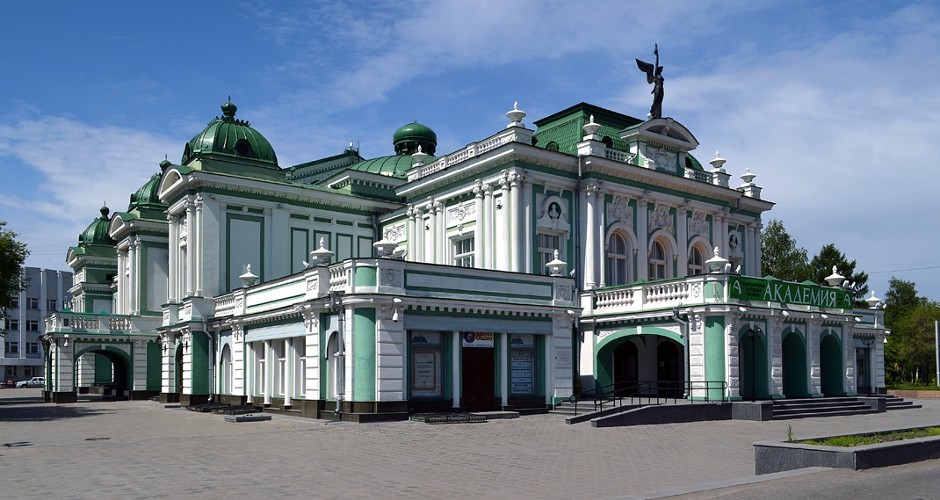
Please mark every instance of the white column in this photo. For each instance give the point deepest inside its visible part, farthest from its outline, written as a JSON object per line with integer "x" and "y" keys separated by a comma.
{"x": 196, "y": 246}
{"x": 775, "y": 357}
{"x": 756, "y": 271}
{"x": 506, "y": 236}
{"x": 238, "y": 360}
{"x": 122, "y": 281}
{"x": 173, "y": 271}
{"x": 288, "y": 382}
{"x": 722, "y": 242}
{"x": 133, "y": 260}
{"x": 848, "y": 343}
{"x": 516, "y": 209}
{"x": 190, "y": 252}
{"x": 504, "y": 368}
{"x": 312, "y": 353}
{"x": 269, "y": 362}
{"x": 432, "y": 233}
{"x": 490, "y": 220}
{"x": 411, "y": 234}
{"x": 420, "y": 233}
{"x": 682, "y": 240}
{"x": 643, "y": 238}
{"x": 479, "y": 229}
{"x": 590, "y": 240}
{"x": 455, "y": 379}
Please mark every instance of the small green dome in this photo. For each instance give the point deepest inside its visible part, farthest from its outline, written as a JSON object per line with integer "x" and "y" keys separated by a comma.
{"x": 97, "y": 232}
{"x": 230, "y": 137}
{"x": 407, "y": 139}
{"x": 146, "y": 196}
{"x": 392, "y": 166}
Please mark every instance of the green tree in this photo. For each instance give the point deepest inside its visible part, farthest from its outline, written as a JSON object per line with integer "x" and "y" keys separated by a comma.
{"x": 12, "y": 256}
{"x": 900, "y": 299}
{"x": 912, "y": 352}
{"x": 780, "y": 256}
{"x": 829, "y": 256}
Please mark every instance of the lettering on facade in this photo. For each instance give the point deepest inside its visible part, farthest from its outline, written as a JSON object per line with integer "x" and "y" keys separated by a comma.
{"x": 788, "y": 293}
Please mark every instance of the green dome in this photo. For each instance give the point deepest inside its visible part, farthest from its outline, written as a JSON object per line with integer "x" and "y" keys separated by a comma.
{"x": 230, "y": 137}
{"x": 146, "y": 196}
{"x": 392, "y": 166}
{"x": 407, "y": 139}
{"x": 97, "y": 232}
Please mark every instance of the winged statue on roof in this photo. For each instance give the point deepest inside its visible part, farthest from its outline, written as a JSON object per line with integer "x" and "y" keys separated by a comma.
{"x": 654, "y": 75}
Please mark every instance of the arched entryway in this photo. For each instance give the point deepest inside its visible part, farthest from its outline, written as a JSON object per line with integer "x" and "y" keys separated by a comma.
{"x": 794, "y": 365}
{"x": 831, "y": 367}
{"x": 112, "y": 371}
{"x": 752, "y": 368}
{"x": 647, "y": 365}
{"x": 625, "y": 369}
{"x": 225, "y": 368}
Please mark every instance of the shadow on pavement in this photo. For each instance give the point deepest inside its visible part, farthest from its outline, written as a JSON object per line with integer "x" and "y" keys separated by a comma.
{"x": 45, "y": 412}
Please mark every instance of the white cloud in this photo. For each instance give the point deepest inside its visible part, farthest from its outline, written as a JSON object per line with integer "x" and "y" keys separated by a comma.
{"x": 81, "y": 166}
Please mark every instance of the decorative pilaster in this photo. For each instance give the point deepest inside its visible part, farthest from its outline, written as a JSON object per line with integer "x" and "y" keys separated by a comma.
{"x": 643, "y": 236}
{"x": 775, "y": 357}
{"x": 479, "y": 244}
{"x": 590, "y": 240}
{"x": 517, "y": 256}
{"x": 506, "y": 253}
{"x": 190, "y": 253}
{"x": 196, "y": 247}
{"x": 488, "y": 215}
{"x": 682, "y": 239}
{"x": 238, "y": 359}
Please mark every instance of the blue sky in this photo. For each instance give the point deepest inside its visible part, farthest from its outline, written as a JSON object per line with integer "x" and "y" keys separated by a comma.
{"x": 834, "y": 105}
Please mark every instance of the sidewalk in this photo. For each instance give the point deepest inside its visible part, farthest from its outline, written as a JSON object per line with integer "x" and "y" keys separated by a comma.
{"x": 141, "y": 449}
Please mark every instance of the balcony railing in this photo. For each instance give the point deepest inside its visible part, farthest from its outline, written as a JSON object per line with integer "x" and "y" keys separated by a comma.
{"x": 66, "y": 322}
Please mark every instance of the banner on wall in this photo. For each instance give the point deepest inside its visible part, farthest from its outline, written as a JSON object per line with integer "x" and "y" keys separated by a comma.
{"x": 478, "y": 339}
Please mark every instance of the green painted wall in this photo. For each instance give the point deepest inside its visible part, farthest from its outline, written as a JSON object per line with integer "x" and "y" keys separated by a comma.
{"x": 715, "y": 352}
{"x": 199, "y": 347}
{"x": 363, "y": 344}
{"x": 102, "y": 369}
{"x": 154, "y": 370}
{"x": 830, "y": 357}
{"x": 794, "y": 366}
{"x": 365, "y": 276}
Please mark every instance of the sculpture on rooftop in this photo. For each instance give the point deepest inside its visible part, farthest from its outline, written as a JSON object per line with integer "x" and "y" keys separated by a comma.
{"x": 654, "y": 75}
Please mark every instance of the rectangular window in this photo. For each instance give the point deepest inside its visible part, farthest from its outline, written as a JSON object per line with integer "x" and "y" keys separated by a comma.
{"x": 33, "y": 302}
{"x": 463, "y": 252}
{"x": 50, "y": 304}
{"x": 12, "y": 348}
{"x": 14, "y": 302}
{"x": 427, "y": 368}
{"x": 522, "y": 372}
{"x": 13, "y": 325}
{"x": 548, "y": 243}
{"x": 32, "y": 325}
{"x": 32, "y": 348}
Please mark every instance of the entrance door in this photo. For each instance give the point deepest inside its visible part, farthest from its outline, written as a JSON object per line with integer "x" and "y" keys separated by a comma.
{"x": 861, "y": 371}
{"x": 478, "y": 378}
{"x": 625, "y": 369}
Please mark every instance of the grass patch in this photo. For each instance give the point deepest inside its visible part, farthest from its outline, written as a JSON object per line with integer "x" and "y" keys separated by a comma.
{"x": 912, "y": 387}
{"x": 875, "y": 438}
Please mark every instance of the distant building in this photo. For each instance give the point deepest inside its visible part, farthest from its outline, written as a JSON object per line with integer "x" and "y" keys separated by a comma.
{"x": 46, "y": 291}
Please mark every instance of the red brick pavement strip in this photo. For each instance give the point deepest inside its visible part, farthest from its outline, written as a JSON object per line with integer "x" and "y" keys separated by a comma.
{"x": 151, "y": 451}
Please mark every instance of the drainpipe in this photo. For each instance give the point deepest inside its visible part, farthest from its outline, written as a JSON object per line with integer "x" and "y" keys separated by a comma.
{"x": 576, "y": 338}
{"x": 684, "y": 324}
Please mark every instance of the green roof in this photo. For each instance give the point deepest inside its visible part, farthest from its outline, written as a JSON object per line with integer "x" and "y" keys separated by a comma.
{"x": 408, "y": 137}
{"x": 146, "y": 196}
{"x": 97, "y": 232}
{"x": 392, "y": 166}
{"x": 562, "y": 131}
{"x": 229, "y": 136}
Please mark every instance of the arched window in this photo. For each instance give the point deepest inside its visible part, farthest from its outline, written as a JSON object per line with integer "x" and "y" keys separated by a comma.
{"x": 657, "y": 261}
{"x": 696, "y": 261}
{"x": 617, "y": 270}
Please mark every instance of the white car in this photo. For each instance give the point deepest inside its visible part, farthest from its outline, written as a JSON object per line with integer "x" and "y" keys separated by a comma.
{"x": 33, "y": 382}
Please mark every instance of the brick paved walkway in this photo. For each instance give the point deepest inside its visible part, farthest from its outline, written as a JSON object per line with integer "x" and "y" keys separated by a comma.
{"x": 133, "y": 449}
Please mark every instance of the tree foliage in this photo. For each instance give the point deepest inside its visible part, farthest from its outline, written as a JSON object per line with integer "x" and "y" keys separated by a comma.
{"x": 12, "y": 256}
{"x": 900, "y": 299}
{"x": 780, "y": 255}
{"x": 829, "y": 256}
{"x": 910, "y": 353}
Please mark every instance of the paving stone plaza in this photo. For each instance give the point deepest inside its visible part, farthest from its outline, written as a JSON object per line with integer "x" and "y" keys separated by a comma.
{"x": 140, "y": 449}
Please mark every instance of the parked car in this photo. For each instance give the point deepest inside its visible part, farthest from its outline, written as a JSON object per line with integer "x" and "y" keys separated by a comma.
{"x": 33, "y": 382}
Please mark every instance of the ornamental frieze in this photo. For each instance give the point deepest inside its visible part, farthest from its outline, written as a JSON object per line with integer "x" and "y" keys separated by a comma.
{"x": 698, "y": 225}
{"x": 620, "y": 211}
{"x": 660, "y": 218}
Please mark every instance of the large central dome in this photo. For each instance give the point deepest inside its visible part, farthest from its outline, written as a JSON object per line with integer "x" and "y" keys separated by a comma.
{"x": 228, "y": 136}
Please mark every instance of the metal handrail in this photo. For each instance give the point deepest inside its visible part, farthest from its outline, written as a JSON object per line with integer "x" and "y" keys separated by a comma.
{"x": 637, "y": 391}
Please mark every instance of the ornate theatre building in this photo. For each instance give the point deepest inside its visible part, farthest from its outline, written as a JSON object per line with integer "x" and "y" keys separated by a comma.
{"x": 587, "y": 252}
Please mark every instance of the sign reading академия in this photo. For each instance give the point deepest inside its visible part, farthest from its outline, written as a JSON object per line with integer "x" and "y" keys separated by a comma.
{"x": 788, "y": 293}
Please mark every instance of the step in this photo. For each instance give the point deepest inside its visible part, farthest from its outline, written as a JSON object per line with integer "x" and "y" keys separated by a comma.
{"x": 840, "y": 413}
{"x": 822, "y": 410}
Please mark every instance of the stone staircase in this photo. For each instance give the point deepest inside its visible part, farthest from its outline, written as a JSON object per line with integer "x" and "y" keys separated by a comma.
{"x": 893, "y": 402}
{"x": 821, "y": 407}
{"x": 567, "y": 408}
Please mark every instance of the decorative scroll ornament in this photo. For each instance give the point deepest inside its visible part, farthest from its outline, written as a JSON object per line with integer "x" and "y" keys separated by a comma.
{"x": 698, "y": 225}
{"x": 395, "y": 233}
{"x": 659, "y": 218}
{"x": 620, "y": 211}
